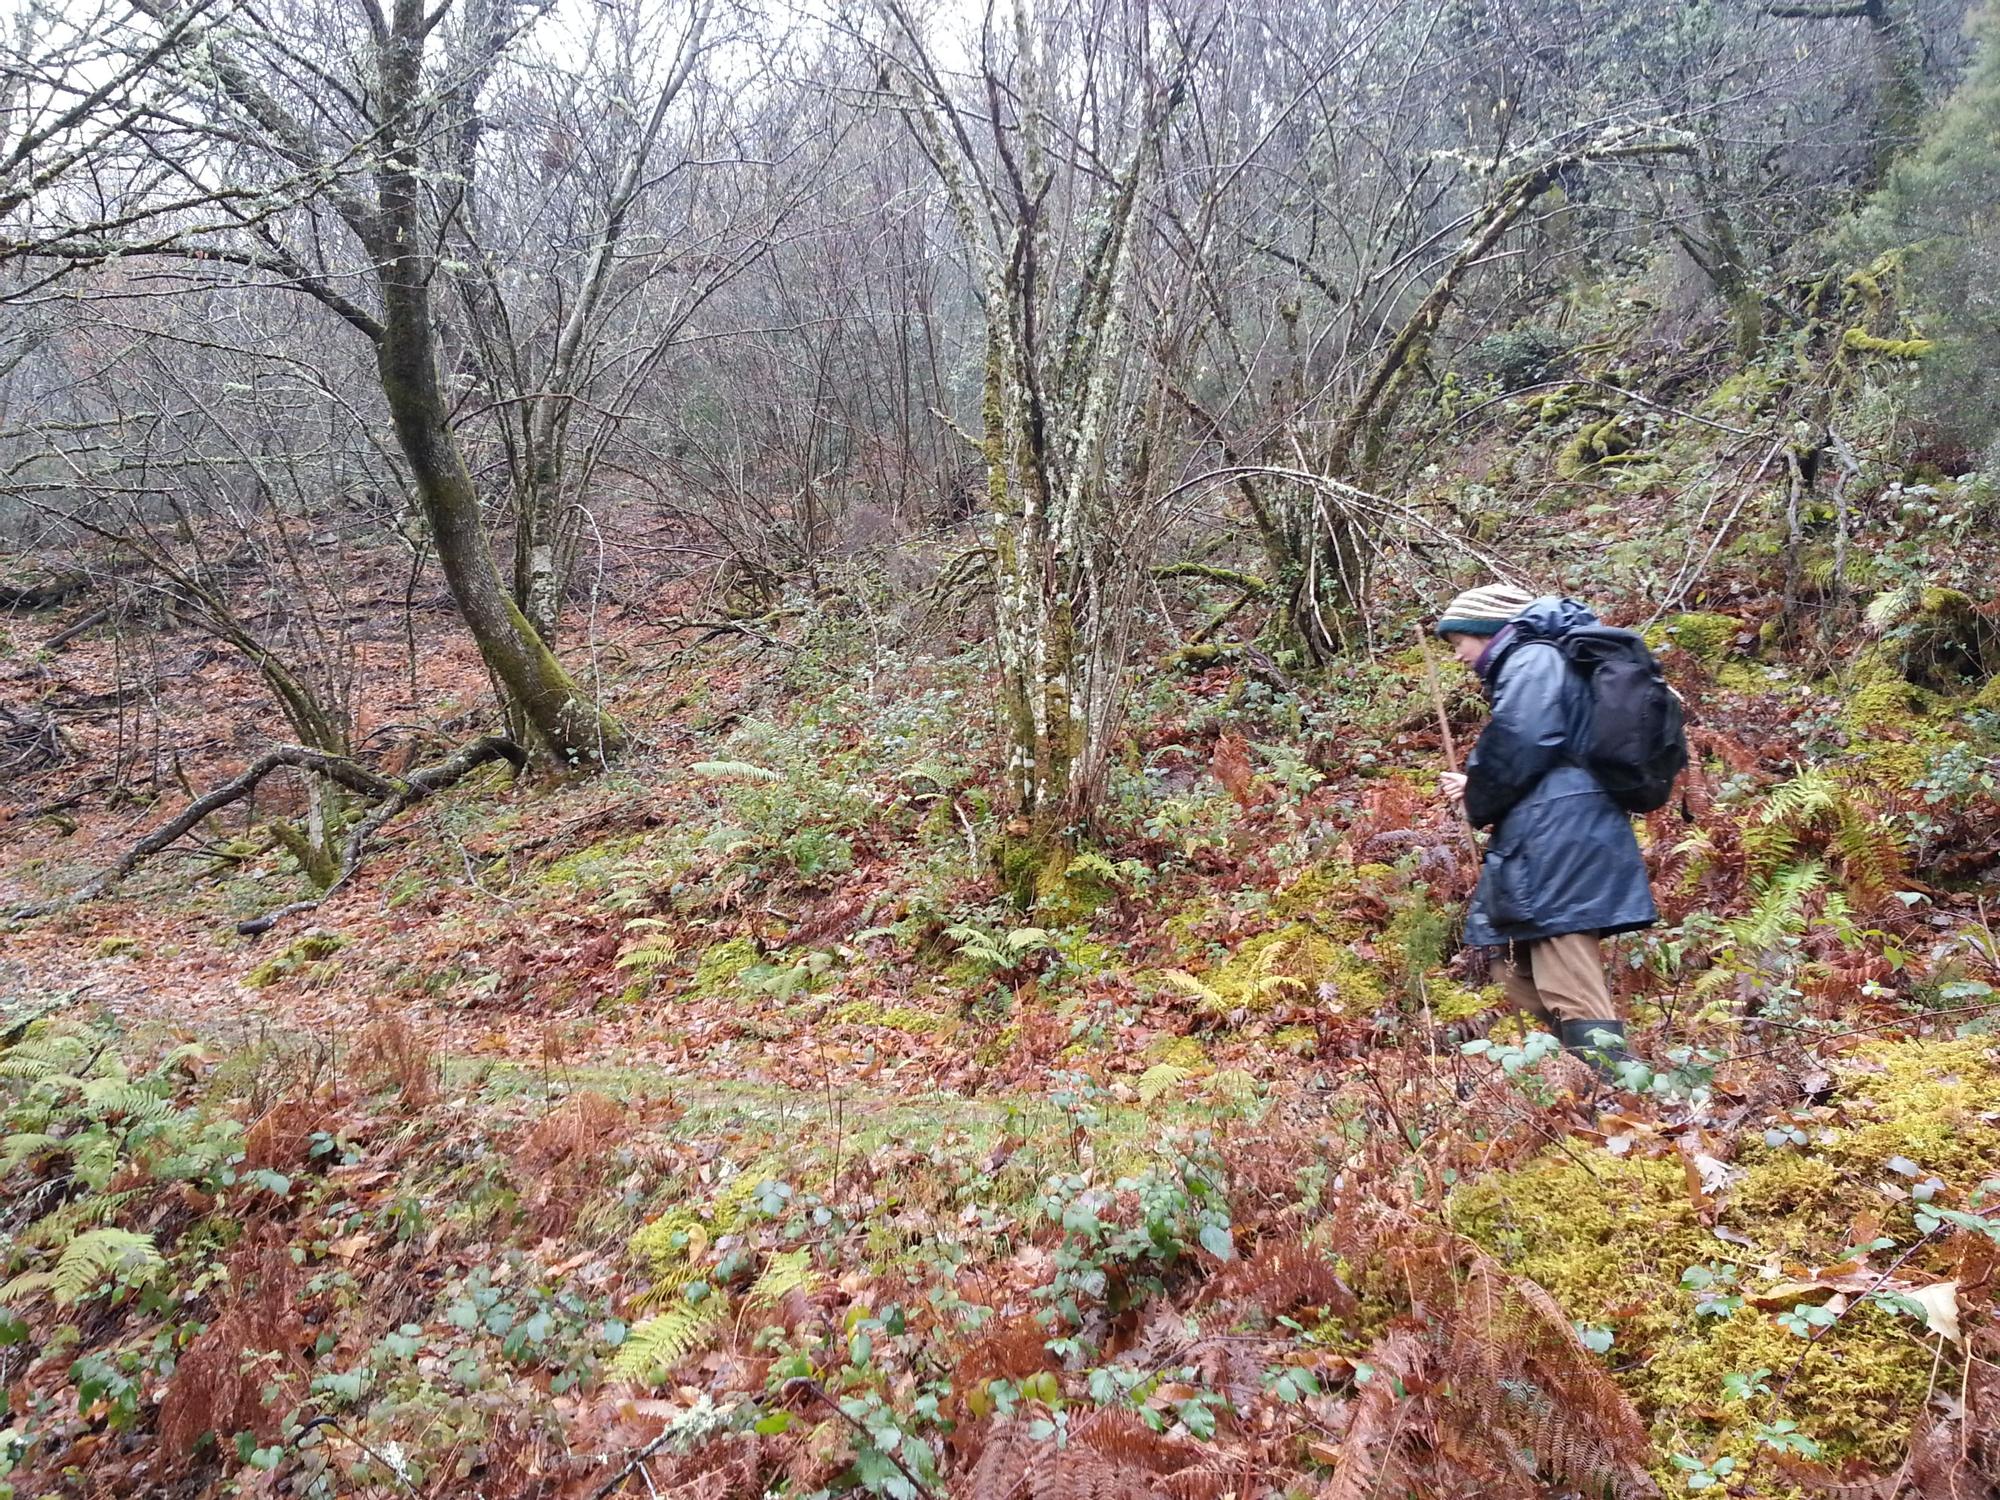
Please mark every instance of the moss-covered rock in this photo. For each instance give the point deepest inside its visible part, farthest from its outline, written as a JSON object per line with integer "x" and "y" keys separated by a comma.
{"x": 1707, "y": 637}
{"x": 1596, "y": 444}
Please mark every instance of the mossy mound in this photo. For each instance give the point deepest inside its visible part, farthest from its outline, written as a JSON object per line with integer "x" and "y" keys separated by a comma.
{"x": 1595, "y": 445}
{"x": 1317, "y": 891}
{"x": 1884, "y": 703}
{"x": 1891, "y": 765}
{"x": 1609, "y": 1240}
{"x": 1451, "y": 1002}
{"x": 1706, "y": 637}
{"x": 1178, "y": 1052}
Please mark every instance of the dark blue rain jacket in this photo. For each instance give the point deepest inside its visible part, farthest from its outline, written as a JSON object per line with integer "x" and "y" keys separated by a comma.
{"x": 1562, "y": 857}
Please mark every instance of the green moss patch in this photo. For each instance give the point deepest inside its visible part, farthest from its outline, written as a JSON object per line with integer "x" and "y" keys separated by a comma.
{"x": 1707, "y": 637}
{"x": 298, "y": 958}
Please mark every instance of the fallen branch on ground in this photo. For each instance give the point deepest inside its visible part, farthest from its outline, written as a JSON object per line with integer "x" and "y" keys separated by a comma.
{"x": 45, "y": 593}
{"x": 391, "y": 795}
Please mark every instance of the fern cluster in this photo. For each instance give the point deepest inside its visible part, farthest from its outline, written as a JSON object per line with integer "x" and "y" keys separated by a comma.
{"x": 79, "y": 1121}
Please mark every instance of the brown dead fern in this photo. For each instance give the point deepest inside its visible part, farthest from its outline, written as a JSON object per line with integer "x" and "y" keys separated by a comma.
{"x": 1489, "y": 1364}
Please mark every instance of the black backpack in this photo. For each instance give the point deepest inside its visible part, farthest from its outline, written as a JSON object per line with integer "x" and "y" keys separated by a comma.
{"x": 1634, "y": 739}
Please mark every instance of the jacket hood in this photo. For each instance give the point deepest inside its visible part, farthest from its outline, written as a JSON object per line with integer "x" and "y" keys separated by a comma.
{"x": 1551, "y": 617}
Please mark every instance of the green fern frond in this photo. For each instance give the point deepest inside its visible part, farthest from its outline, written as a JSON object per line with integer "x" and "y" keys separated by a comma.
{"x": 1159, "y": 1080}
{"x": 1193, "y": 988}
{"x": 1767, "y": 847}
{"x": 60, "y": 1225}
{"x": 25, "y": 1144}
{"x": 786, "y": 1272}
{"x": 732, "y": 770}
{"x": 654, "y": 953}
{"x": 1893, "y": 606}
{"x": 28, "y": 1284}
{"x": 93, "y": 1157}
{"x": 656, "y": 1346}
{"x": 45, "y": 1054}
{"x": 1091, "y": 865}
{"x": 86, "y": 1262}
{"x": 1779, "y": 911}
{"x": 1804, "y": 800}
{"x": 117, "y": 1096}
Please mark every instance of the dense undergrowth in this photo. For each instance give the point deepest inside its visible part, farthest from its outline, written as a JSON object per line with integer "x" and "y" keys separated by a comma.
{"x": 759, "y": 1117}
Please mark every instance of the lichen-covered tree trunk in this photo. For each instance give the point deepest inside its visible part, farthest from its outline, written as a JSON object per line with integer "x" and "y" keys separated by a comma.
{"x": 562, "y": 717}
{"x": 1067, "y": 424}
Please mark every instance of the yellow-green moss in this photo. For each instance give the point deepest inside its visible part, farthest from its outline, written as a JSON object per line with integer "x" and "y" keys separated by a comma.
{"x": 1860, "y": 341}
{"x": 1893, "y": 765}
{"x": 722, "y": 963}
{"x": 1883, "y": 703}
{"x": 118, "y": 946}
{"x": 1857, "y": 1390}
{"x": 668, "y": 1241}
{"x": 1800, "y": 1203}
{"x": 1313, "y": 892}
{"x": 1987, "y": 699}
{"x": 904, "y": 1018}
{"x": 1177, "y": 1051}
{"x": 1596, "y": 443}
{"x": 1926, "y": 1101}
{"x": 1748, "y": 390}
{"x": 1451, "y": 1002}
{"x": 1610, "y": 1242}
{"x": 1607, "y": 1241}
{"x": 1295, "y": 962}
{"x": 592, "y": 866}
{"x": 1743, "y": 677}
{"x": 1708, "y": 637}
{"x": 308, "y": 950}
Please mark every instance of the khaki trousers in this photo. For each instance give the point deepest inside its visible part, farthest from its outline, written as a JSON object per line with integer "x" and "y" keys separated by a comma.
{"x": 1558, "y": 979}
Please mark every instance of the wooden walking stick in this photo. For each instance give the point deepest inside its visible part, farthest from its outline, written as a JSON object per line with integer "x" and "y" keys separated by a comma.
{"x": 1450, "y": 746}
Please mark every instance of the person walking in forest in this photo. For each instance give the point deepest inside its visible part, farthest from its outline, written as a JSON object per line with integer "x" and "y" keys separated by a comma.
{"x": 1562, "y": 868}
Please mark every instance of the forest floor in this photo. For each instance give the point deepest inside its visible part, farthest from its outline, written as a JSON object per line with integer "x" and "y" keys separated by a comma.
{"x": 749, "y": 1117}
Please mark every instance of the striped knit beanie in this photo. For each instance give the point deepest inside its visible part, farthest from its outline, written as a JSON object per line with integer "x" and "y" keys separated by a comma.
{"x": 1483, "y": 611}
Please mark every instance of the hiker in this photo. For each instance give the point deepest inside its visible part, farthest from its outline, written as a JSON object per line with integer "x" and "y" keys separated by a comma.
{"x": 1562, "y": 868}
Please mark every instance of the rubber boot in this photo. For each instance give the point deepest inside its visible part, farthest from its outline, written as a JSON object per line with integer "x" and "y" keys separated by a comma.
{"x": 1580, "y": 1038}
